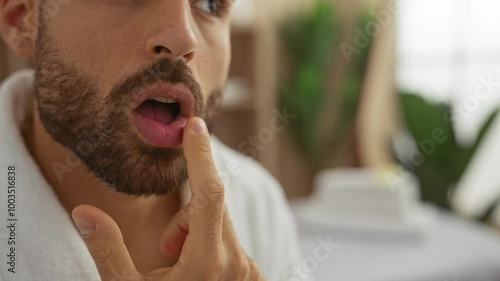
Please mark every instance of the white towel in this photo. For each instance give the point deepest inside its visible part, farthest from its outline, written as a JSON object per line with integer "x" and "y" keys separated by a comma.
{"x": 47, "y": 245}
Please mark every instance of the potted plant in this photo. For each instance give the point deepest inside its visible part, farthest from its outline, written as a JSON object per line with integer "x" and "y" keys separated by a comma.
{"x": 310, "y": 42}
{"x": 445, "y": 162}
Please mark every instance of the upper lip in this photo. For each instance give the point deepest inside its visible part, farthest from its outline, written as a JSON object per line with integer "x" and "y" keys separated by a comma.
{"x": 179, "y": 91}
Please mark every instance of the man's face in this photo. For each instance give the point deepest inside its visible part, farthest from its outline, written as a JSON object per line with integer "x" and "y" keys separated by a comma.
{"x": 116, "y": 80}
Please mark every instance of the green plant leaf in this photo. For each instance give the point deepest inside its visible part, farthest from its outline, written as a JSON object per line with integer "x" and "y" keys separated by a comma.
{"x": 424, "y": 120}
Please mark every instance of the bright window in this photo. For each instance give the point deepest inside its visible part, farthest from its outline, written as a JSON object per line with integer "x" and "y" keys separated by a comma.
{"x": 445, "y": 49}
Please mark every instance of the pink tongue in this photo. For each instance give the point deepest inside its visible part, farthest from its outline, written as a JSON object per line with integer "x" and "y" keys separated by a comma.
{"x": 156, "y": 111}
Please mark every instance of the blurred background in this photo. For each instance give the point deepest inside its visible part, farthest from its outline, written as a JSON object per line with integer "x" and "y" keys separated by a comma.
{"x": 379, "y": 118}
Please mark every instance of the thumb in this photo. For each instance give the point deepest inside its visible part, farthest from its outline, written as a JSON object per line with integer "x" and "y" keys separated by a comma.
{"x": 175, "y": 234}
{"x": 105, "y": 244}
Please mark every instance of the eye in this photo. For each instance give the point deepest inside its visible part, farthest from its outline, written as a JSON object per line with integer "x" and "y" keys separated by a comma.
{"x": 212, "y": 7}
{"x": 209, "y": 6}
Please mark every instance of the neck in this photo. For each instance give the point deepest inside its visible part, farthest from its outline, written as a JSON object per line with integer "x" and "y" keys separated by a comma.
{"x": 75, "y": 185}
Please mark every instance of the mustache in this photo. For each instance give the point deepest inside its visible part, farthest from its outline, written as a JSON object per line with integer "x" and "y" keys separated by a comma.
{"x": 163, "y": 70}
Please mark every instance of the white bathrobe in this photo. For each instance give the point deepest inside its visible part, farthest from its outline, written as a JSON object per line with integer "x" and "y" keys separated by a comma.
{"x": 49, "y": 248}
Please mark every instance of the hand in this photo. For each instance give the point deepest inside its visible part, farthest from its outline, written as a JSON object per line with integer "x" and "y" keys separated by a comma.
{"x": 201, "y": 233}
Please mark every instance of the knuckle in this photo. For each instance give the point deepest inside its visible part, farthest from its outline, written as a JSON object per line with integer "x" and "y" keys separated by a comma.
{"x": 204, "y": 148}
{"x": 100, "y": 253}
{"x": 240, "y": 267}
{"x": 214, "y": 190}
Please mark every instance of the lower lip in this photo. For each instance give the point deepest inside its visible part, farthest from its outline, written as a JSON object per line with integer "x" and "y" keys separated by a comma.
{"x": 158, "y": 134}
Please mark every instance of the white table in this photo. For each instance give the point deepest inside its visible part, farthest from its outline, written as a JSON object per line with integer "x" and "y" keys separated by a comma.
{"x": 451, "y": 250}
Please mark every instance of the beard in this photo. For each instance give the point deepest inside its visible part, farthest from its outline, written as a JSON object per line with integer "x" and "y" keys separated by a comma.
{"x": 97, "y": 128}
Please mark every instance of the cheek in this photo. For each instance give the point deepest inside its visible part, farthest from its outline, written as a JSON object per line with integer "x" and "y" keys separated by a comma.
{"x": 101, "y": 50}
{"x": 212, "y": 64}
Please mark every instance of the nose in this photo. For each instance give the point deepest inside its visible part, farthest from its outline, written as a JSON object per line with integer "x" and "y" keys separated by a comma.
{"x": 173, "y": 35}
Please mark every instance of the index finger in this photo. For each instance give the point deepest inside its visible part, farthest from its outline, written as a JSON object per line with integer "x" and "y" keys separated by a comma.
{"x": 206, "y": 209}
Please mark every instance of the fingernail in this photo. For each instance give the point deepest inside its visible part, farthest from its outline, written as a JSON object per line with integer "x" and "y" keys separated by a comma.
{"x": 85, "y": 226}
{"x": 198, "y": 126}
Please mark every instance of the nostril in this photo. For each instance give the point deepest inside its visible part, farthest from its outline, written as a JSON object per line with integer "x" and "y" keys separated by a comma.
{"x": 188, "y": 57}
{"x": 159, "y": 49}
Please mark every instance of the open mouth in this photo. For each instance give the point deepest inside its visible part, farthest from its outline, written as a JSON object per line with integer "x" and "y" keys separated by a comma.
{"x": 160, "y": 109}
{"x": 160, "y": 113}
